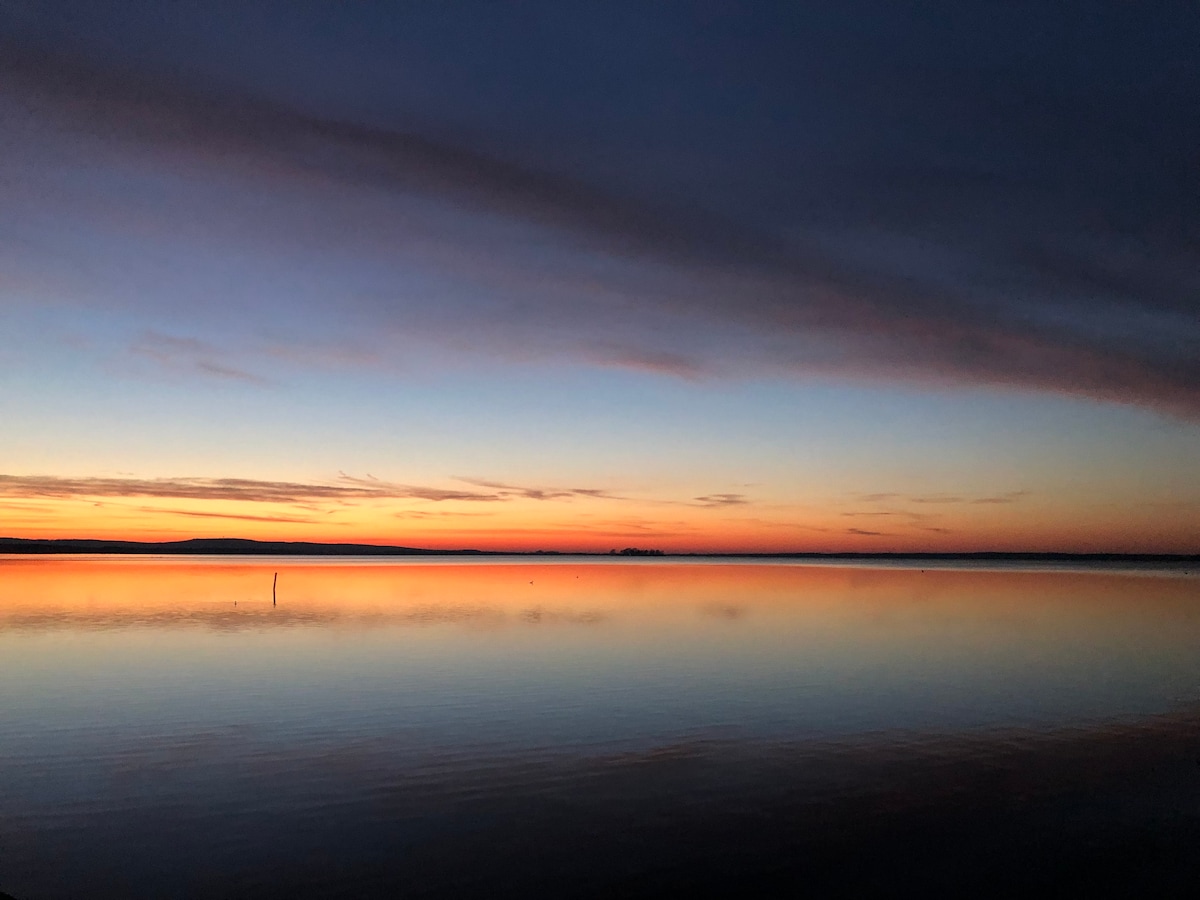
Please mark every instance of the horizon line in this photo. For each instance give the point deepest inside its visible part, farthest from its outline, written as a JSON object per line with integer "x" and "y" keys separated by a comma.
{"x": 251, "y": 546}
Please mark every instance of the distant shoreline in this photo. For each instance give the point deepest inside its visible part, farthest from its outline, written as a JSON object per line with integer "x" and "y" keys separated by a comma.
{"x": 245, "y": 547}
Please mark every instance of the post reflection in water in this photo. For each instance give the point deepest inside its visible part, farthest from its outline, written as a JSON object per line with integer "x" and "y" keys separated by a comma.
{"x": 186, "y": 727}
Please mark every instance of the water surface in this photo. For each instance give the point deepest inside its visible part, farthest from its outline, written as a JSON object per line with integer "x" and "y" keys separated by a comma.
{"x": 502, "y": 727}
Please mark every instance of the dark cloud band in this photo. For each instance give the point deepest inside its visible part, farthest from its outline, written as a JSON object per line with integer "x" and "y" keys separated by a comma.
{"x": 1062, "y": 259}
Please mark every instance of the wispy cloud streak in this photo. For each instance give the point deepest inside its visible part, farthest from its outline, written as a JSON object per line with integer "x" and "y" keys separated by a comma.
{"x": 948, "y": 499}
{"x": 313, "y": 496}
{"x": 512, "y": 491}
{"x": 183, "y": 356}
{"x": 242, "y": 517}
{"x": 717, "y": 501}
{"x": 234, "y": 489}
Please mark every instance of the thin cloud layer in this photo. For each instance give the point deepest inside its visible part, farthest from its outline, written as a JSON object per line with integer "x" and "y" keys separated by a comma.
{"x": 512, "y": 491}
{"x": 239, "y": 517}
{"x": 346, "y": 490}
{"x": 236, "y": 489}
{"x": 184, "y": 356}
{"x": 895, "y": 497}
{"x": 716, "y": 501}
{"x": 1022, "y": 222}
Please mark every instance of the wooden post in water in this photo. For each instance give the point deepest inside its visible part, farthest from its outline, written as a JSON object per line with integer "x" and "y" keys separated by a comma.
{"x": 273, "y": 582}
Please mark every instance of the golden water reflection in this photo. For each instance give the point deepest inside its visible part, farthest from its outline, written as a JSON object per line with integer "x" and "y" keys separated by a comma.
{"x": 107, "y": 592}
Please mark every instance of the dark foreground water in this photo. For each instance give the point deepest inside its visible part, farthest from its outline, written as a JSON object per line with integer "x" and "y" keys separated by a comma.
{"x": 482, "y": 728}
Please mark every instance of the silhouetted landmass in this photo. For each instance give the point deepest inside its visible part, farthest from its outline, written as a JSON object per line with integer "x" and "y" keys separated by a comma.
{"x": 981, "y": 556}
{"x": 245, "y": 547}
{"x": 215, "y": 547}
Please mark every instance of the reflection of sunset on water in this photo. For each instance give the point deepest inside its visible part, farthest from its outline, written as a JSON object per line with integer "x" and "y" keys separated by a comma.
{"x": 401, "y": 691}
{"x": 872, "y": 607}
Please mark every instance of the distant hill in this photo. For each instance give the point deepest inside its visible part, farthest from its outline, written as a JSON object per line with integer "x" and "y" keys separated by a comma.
{"x": 215, "y": 547}
{"x": 244, "y": 547}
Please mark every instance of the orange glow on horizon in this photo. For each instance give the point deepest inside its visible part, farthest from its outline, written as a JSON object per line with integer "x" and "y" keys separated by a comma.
{"x": 599, "y": 525}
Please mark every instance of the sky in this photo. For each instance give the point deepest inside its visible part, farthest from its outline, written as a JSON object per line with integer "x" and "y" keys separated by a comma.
{"x": 860, "y": 275}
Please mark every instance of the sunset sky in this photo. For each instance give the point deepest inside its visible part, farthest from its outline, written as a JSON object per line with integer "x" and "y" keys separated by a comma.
{"x": 855, "y": 275}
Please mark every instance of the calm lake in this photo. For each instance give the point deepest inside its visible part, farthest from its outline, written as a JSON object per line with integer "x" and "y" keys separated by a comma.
{"x": 590, "y": 727}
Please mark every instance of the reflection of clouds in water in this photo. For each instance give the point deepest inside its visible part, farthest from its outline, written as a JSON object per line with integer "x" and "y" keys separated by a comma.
{"x": 434, "y": 614}
{"x": 539, "y": 616}
{"x": 724, "y": 611}
{"x": 245, "y": 617}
